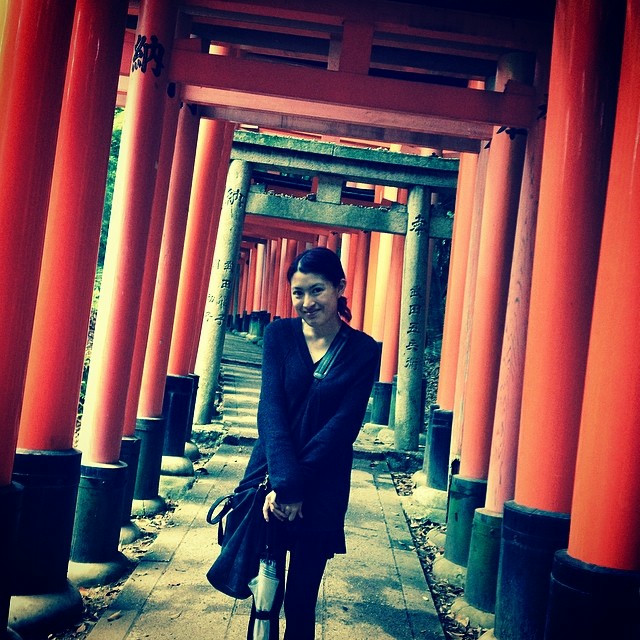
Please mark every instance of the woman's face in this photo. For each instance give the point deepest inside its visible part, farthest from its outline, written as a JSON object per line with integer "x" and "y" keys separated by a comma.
{"x": 314, "y": 298}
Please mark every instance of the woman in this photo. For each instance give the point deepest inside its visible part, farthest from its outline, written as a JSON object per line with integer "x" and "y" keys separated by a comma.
{"x": 306, "y": 431}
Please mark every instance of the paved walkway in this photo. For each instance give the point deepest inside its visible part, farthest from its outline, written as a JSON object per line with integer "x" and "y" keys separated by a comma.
{"x": 376, "y": 592}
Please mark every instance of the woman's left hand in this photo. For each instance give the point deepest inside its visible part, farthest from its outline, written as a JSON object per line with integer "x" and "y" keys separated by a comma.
{"x": 283, "y": 512}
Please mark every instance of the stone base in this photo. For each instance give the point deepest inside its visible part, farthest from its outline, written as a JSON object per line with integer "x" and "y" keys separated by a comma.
{"x": 450, "y": 572}
{"x": 426, "y": 503}
{"x": 466, "y": 614}
{"x": 95, "y": 574}
{"x": 129, "y": 532}
{"x": 488, "y": 635}
{"x": 174, "y": 487}
{"x": 148, "y": 507}
{"x": 45, "y": 613}
{"x": 176, "y": 466}
{"x": 437, "y": 538}
{"x": 191, "y": 451}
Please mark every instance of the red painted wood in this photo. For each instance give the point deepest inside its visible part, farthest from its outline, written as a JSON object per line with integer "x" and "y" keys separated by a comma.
{"x": 360, "y": 280}
{"x": 166, "y": 287}
{"x": 577, "y": 148}
{"x": 65, "y": 291}
{"x": 31, "y": 101}
{"x": 455, "y": 286}
{"x": 114, "y": 339}
{"x": 605, "y": 519}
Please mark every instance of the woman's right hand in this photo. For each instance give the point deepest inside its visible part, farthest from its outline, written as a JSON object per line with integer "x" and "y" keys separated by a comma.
{"x": 283, "y": 512}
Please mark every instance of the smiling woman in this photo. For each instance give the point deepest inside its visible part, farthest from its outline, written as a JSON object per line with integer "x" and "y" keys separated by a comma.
{"x": 307, "y": 423}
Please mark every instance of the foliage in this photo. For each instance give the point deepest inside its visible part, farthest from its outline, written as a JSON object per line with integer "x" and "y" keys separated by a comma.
{"x": 111, "y": 178}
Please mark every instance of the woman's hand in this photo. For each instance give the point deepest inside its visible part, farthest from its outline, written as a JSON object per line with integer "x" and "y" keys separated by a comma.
{"x": 283, "y": 512}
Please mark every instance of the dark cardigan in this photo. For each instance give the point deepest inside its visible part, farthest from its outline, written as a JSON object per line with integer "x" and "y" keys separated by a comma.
{"x": 306, "y": 430}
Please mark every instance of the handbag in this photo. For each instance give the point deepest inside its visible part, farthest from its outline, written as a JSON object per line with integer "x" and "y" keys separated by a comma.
{"x": 242, "y": 533}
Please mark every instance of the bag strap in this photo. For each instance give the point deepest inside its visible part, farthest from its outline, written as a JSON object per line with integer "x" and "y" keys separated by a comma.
{"x": 331, "y": 355}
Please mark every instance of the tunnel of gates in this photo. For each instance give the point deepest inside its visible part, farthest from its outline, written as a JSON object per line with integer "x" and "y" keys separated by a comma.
{"x": 538, "y": 375}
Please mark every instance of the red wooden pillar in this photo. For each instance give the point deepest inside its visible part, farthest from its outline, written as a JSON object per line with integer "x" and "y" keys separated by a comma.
{"x": 599, "y": 574}
{"x": 456, "y": 279}
{"x": 274, "y": 275}
{"x": 500, "y": 208}
{"x": 389, "y": 363}
{"x": 258, "y": 277}
{"x": 129, "y": 229}
{"x": 207, "y": 160}
{"x": 360, "y": 280}
{"x": 45, "y": 463}
{"x": 251, "y": 280}
{"x": 372, "y": 266}
{"x": 332, "y": 242}
{"x": 154, "y": 240}
{"x": 582, "y": 95}
{"x": 168, "y": 273}
{"x": 285, "y": 250}
{"x": 220, "y": 185}
{"x": 32, "y": 98}
{"x": 354, "y": 247}
{"x": 381, "y": 286}
{"x": 462, "y": 368}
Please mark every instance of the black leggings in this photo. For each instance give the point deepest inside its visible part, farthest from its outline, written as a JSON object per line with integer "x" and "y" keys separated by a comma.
{"x": 306, "y": 568}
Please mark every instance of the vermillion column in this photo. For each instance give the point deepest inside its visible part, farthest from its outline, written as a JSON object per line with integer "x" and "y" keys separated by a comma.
{"x": 455, "y": 286}
{"x": 360, "y": 280}
{"x": 381, "y": 284}
{"x": 595, "y": 585}
{"x": 221, "y": 179}
{"x": 582, "y": 95}
{"x": 276, "y": 253}
{"x": 462, "y": 368}
{"x": 154, "y": 399}
{"x": 409, "y": 409}
{"x": 484, "y": 550}
{"x": 500, "y": 209}
{"x": 207, "y": 160}
{"x": 46, "y": 464}
{"x": 213, "y": 329}
{"x": 95, "y": 536}
{"x": 32, "y": 88}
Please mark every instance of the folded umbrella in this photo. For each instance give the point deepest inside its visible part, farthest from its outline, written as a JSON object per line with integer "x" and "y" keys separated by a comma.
{"x": 264, "y": 587}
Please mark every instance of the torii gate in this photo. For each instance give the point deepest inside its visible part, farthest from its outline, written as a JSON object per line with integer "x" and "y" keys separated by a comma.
{"x": 332, "y": 164}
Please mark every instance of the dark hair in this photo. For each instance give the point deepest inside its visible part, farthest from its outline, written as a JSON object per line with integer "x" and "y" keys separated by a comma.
{"x": 325, "y": 263}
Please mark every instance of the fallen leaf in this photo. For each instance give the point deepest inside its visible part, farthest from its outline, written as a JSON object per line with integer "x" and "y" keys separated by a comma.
{"x": 114, "y": 616}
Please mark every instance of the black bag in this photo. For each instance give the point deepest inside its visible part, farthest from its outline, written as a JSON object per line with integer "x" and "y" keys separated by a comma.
{"x": 242, "y": 540}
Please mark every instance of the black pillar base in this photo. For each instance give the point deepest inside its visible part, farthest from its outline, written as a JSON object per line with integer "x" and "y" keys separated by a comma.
{"x": 130, "y": 455}
{"x": 530, "y": 537}
{"x": 145, "y": 494}
{"x": 381, "y": 402}
{"x": 465, "y": 496}
{"x": 95, "y": 558}
{"x": 436, "y": 456}
{"x": 10, "y": 503}
{"x": 482, "y": 567}
{"x": 246, "y": 320}
{"x": 591, "y": 602}
{"x": 40, "y": 615}
{"x": 176, "y": 406}
{"x": 41, "y": 553}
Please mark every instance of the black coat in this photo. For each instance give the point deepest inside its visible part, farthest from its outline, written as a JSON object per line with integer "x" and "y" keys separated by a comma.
{"x": 306, "y": 430}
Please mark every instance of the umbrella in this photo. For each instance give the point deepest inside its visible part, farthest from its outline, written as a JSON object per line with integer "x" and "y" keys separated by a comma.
{"x": 264, "y": 587}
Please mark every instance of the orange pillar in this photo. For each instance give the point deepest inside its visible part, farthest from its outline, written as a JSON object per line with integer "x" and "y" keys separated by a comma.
{"x": 258, "y": 277}
{"x": 369, "y": 296}
{"x": 381, "y": 286}
{"x": 251, "y": 281}
{"x": 154, "y": 241}
{"x": 360, "y": 280}
{"x": 582, "y": 95}
{"x": 332, "y": 242}
{"x": 220, "y": 186}
{"x": 103, "y": 417}
{"x": 274, "y": 275}
{"x": 32, "y": 100}
{"x": 62, "y": 311}
{"x": 351, "y": 265}
{"x": 207, "y": 160}
{"x": 500, "y": 208}
{"x": 389, "y": 363}
{"x": 456, "y": 279}
{"x": 168, "y": 273}
{"x": 462, "y": 368}
{"x": 599, "y": 574}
